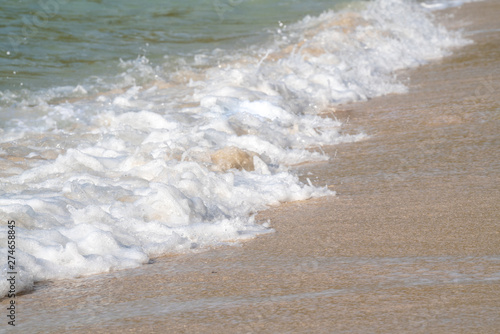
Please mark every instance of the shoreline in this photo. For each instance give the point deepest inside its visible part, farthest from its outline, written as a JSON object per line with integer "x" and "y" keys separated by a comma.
{"x": 387, "y": 254}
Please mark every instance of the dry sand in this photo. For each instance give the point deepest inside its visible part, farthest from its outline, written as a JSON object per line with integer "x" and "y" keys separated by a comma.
{"x": 411, "y": 242}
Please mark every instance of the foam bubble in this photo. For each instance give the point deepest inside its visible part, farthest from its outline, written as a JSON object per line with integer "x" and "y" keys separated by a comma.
{"x": 435, "y": 5}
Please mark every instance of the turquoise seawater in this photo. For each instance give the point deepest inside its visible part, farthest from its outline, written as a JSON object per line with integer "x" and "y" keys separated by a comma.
{"x": 47, "y": 43}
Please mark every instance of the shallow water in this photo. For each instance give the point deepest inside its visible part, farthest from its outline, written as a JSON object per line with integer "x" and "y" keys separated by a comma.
{"x": 56, "y": 41}
{"x": 107, "y": 163}
{"x": 409, "y": 244}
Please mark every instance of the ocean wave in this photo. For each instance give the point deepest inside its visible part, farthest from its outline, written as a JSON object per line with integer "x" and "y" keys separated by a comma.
{"x": 179, "y": 157}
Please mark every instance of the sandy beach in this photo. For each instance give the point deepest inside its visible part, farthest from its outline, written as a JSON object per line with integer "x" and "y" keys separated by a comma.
{"x": 410, "y": 243}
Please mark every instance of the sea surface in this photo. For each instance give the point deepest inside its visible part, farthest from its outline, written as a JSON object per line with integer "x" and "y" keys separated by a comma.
{"x": 131, "y": 130}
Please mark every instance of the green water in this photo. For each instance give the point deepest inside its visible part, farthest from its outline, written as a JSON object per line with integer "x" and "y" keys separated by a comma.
{"x": 47, "y": 43}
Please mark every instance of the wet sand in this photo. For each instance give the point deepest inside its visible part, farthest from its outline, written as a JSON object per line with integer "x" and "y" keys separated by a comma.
{"x": 411, "y": 242}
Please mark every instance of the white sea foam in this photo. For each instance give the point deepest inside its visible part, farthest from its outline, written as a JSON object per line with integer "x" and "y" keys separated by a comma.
{"x": 434, "y": 5}
{"x": 109, "y": 181}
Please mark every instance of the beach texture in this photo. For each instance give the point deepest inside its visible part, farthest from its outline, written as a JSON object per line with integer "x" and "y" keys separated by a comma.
{"x": 410, "y": 243}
